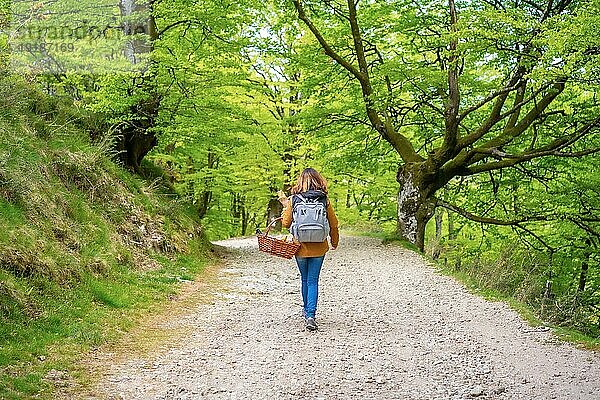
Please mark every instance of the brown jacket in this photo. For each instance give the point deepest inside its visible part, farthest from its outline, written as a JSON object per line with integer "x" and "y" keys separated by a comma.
{"x": 314, "y": 249}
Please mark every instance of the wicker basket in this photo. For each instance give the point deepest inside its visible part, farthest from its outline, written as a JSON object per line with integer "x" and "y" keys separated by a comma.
{"x": 274, "y": 246}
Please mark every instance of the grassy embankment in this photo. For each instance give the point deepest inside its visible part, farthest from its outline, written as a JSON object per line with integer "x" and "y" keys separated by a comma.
{"x": 85, "y": 246}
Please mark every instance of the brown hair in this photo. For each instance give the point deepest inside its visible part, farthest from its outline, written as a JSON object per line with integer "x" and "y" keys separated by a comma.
{"x": 310, "y": 179}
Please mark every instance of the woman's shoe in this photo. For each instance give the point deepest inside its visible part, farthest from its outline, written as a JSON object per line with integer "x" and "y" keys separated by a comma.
{"x": 311, "y": 324}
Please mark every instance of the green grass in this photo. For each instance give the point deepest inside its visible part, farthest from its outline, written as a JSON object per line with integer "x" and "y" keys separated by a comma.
{"x": 499, "y": 267}
{"x": 88, "y": 314}
{"x": 526, "y": 312}
{"x": 12, "y": 214}
{"x": 574, "y": 336}
{"x": 77, "y": 261}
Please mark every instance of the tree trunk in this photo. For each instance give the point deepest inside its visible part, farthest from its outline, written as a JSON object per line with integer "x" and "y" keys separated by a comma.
{"x": 239, "y": 211}
{"x": 136, "y": 138}
{"x": 244, "y": 220}
{"x": 135, "y": 141}
{"x": 274, "y": 210}
{"x": 585, "y": 264}
{"x": 415, "y": 204}
{"x": 436, "y": 249}
{"x": 204, "y": 203}
{"x": 451, "y": 231}
{"x": 438, "y": 226}
{"x": 138, "y": 20}
{"x": 205, "y": 198}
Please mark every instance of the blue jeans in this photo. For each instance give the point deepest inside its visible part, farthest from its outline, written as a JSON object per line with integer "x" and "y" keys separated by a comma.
{"x": 310, "y": 268}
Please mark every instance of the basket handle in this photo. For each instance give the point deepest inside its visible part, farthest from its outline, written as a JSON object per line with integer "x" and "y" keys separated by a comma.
{"x": 271, "y": 225}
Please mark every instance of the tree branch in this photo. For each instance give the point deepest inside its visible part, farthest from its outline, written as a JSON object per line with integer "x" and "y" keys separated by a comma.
{"x": 486, "y": 220}
{"x": 539, "y": 239}
{"x": 453, "y": 101}
{"x": 585, "y": 227}
{"x": 494, "y": 116}
{"x": 539, "y": 108}
{"x": 326, "y": 47}
{"x": 358, "y": 43}
{"x": 174, "y": 25}
{"x": 486, "y": 100}
{"x": 507, "y": 136}
{"x": 517, "y": 105}
{"x": 552, "y": 149}
{"x": 385, "y": 127}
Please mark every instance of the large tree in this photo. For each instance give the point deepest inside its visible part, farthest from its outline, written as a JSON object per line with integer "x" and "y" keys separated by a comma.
{"x": 464, "y": 89}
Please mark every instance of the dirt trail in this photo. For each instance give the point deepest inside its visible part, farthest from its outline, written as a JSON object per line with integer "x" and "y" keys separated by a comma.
{"x": 390, "y": 328}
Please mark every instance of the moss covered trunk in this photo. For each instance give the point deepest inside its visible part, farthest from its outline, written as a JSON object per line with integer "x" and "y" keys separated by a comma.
{"x": 416, "y": 204}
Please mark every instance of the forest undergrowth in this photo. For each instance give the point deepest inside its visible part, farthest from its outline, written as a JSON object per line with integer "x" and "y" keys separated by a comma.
{"x": 86, "y": 247}
{"x": 545, "y": 291}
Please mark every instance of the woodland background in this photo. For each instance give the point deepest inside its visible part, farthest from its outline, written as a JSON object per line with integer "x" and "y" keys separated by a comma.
{"x": 477, "y": 120}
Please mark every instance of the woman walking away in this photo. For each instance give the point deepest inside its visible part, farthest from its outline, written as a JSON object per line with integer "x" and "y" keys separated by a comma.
{"x": 311, "y": 217}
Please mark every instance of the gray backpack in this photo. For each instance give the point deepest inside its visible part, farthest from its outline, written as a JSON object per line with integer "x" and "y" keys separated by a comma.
{"x": 310, "y": 224}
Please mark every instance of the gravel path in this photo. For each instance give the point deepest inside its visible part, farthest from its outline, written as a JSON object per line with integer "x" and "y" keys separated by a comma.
{"x": 390, "y": 327}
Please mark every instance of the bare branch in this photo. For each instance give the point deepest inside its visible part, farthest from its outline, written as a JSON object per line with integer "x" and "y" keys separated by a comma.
{"x": 174, "y": 25}
{"x": 533, "y": 5}
{"x": 555, "y": 153}
{"x": 585, "y": 227}
{"x": 539, "y": 239}
{"x": 487, "y": 220}
{"x": 487, "y": 99}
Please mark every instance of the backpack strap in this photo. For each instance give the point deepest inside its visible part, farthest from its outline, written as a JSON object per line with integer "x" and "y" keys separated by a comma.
{"x": 295, "y": 199}
{"x": 300, "y": 198}
{"x": 325, "y": 202}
